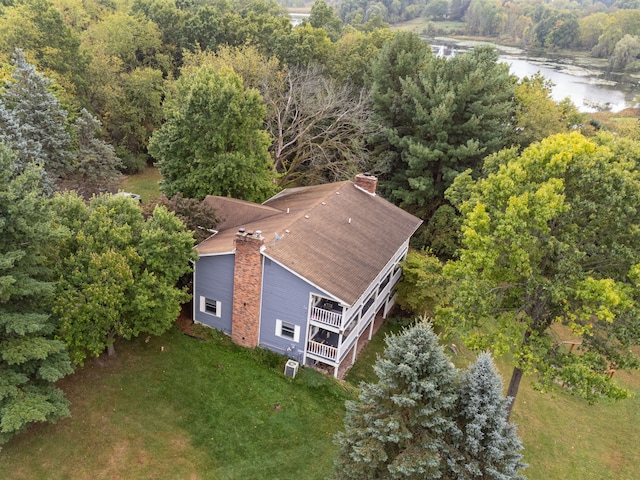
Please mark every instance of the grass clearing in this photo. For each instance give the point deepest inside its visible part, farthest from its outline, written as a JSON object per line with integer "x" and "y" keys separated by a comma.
{"x": 178, "y": 407}
{"x": 193, "y": 409}
{"x": 145, "y": 183}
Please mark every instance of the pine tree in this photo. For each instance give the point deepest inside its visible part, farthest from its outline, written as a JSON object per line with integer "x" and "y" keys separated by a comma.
{"x": 487, "y": 446}
{"x": 32, "y": 121}
{"x": 400, "y": 425}
{"x": 96, "y": 163}
{"x": 31, "y": 360}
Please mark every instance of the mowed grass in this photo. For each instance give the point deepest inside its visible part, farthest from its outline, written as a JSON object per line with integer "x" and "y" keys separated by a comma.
{"x": 179, "y": 408}
{"x": 563, "y": 436}
{"x": 175, "y": 407}
{"x": 145, "y": 183}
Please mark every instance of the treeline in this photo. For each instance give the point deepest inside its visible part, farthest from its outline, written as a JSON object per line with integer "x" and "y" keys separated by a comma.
{"x": 607, "y": 29}
{"x": 226, "y": 98}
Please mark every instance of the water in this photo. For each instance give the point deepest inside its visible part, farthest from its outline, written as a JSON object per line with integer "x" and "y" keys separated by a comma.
{"x": 589, "y": 87}
{"x": 297, "y": 18}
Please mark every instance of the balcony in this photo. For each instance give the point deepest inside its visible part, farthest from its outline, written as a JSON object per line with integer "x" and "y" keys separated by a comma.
{"x": 327, "y": 313}
{"x": 324, "y": 344}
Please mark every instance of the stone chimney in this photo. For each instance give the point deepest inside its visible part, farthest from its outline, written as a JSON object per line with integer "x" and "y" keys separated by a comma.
{"x": 247, "y": 288}
{"x": 367, "y": 182}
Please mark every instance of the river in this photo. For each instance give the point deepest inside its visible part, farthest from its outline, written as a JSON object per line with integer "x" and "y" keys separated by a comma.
{"x": 586, "y": 82}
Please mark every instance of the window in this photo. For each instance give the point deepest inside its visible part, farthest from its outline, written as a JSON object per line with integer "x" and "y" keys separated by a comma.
{"x": 288, "y": 330}
{"x": 368, "y": 304}
{"x": 210, "y": 306}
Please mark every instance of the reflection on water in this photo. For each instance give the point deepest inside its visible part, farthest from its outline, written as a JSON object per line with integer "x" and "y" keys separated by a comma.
{"x": 587, "y": 87}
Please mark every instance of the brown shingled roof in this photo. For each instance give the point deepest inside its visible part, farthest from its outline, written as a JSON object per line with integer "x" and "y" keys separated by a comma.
{"x": 335, "y": 235}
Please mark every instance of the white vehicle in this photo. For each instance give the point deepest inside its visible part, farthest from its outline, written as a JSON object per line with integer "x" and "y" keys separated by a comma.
{"x": 135, "y": 196}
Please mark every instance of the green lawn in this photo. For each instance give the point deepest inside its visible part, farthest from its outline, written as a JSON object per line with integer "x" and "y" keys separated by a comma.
{"x": 180, "y": 408}
{"x": 144, "y": 184}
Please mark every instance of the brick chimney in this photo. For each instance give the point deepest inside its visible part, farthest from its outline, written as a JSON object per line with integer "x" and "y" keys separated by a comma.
{"x": 247, "y": 288}
{"x": 367, "y": 182}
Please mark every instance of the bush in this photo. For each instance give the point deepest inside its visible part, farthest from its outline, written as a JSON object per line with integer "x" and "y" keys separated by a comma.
{"x": 133, "y": 163}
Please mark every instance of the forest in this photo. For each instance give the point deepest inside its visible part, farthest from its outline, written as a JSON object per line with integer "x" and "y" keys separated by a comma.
{"x": 530, "y": 241}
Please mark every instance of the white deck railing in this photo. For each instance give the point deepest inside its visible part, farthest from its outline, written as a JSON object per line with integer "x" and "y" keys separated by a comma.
{"x": 322, "y": 350}
{"x": 325, "y": 316}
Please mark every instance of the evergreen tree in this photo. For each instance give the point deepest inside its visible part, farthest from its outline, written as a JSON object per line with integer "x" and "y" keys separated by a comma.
{"x": 32, "y": 121}
{"x": 96, "y": 163}
{"x": 31, "y": 360}
{"x": 400, "y": 425}
{"x": 439, "y": 116}
{"x": 487, "y": 446}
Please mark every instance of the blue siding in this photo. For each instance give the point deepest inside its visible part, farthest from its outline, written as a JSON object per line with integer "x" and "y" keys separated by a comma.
{"x": 284, "y": 297}
{"x": 214, "y": 280}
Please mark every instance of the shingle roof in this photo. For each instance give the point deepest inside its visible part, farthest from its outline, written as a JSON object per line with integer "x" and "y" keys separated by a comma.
{"x": 335, "y": 235}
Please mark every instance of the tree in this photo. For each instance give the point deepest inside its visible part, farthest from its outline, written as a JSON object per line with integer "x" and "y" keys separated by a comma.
{"x": 484, "y": 17}
{"x": 137, "y": 111}
{"x": 354, "y": 54}
{"x": 318, "y": 127}
{"x": 304, "y": 46}
{"x": 134, "y": 40}
{"x": 31, "y": 359}
{"x": 38, "y": 29}
{"x": 422, "y": 288}
{"x": 33, "y": 123}
{"x": 626, "y": 53}
{"x": 440, "y": 120}
{"x": 212, "y": 142}
{"x": 399, "y": 426}
{"x": 97, "y": 167}
{"x": 488, "y": 446}
{"x": 537, "y": 115}
{"x": 198, "y": 216}
{"x": 118, "y": 272}
{"x": 323, "y": 16}
{"x": 550, "y": 240}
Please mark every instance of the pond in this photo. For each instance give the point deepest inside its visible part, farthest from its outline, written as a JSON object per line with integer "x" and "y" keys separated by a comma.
{"x": 585, "y": 81}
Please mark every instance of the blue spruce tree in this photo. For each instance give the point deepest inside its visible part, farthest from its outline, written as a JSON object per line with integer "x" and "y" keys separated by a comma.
{"x": 33, "y": 123}
{"x": 487, "y": 446}
{"x": 400, "y": 425}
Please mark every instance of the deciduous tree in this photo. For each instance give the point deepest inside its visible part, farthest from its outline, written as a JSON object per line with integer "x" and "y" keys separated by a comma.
{"x": 537, "y": 115}
{"x": 119, "y": 272}
{"x": 318, "y": 127}
{"x": 551, "y": 257}
{"x": 422, "y": 288}
{"x": 213, "y": 142}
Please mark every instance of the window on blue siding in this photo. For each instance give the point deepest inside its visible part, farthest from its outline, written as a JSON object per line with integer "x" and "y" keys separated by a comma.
{"x": 210, "y": 306}
{"x": 288, "y": 330}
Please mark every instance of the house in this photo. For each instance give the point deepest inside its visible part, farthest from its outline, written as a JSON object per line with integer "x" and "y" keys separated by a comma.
{"x": 305, "y": 273}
